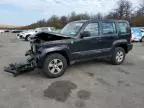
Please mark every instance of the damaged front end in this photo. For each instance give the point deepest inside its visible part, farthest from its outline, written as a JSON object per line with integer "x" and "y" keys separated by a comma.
{"x": 19, "y": 68}
{"x": 31, "y": 63}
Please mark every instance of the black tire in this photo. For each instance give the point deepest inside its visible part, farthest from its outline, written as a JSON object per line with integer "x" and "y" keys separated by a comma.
{"x": 114, "y": 59}
{"x": 26, "y": 38}
{"x": 49, "y": 60}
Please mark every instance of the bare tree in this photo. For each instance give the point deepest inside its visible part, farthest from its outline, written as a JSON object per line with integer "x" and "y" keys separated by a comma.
{"x": 140, "y": 11}
{"x": 123, "y": 10}
{"x": 97, "y": 16}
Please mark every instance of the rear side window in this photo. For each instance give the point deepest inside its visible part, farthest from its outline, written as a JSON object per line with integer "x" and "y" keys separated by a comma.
{"x": 108, "y": 28}
{"x": 123, "y": 28}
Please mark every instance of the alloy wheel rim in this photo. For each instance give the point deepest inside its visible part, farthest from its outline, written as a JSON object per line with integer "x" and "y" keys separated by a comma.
{"x": 119, "y": 56}
{"x": 55, "y": 66}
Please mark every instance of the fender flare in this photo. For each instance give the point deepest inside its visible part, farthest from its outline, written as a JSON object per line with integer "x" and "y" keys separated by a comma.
{"x": 60, "y": 48}
{"x": 119, "y": 43}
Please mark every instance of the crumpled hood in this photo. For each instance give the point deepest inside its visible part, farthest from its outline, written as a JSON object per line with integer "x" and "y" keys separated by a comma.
{"x": 50, "y": 36}
{"x": 54, "y": 34}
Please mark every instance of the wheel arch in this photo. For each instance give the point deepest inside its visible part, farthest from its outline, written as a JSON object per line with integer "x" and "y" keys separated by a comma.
{"x": 121, "y": 43}
{"x": 63, "y": 50}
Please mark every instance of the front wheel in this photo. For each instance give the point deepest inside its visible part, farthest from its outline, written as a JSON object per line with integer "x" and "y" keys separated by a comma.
{"x": 118, "y": 56}
{"x": 55, "y": 65}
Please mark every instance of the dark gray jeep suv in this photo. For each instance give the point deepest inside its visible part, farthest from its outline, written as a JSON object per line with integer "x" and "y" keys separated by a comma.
{"x": 80, "y": 40}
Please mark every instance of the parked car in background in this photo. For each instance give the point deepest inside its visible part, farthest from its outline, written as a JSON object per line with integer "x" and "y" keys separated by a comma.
{"x": 26, "y": 34}
{"x": 142, "y": 30}
{"x": 45, "y": 29}
{"x": 1, "y": 31}
{"x": 136, "y": 34}
{"x": 57, "y": 31}
{"x": 6, "y": 31}
{"x": 16, "y": 31}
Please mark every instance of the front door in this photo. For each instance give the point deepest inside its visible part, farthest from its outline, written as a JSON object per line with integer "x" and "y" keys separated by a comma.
{"x": 88, "y": 46}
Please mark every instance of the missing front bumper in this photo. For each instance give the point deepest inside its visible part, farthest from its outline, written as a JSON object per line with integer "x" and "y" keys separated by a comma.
{"x": 19, "y": 68}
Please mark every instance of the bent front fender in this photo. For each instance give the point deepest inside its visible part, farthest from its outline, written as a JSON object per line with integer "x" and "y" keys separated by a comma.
{"x": 58, "y": 49}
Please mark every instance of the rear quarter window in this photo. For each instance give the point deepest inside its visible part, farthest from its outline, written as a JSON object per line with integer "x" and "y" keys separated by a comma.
{"x": 123, "y": 28}
{"x": 108, "y": 28}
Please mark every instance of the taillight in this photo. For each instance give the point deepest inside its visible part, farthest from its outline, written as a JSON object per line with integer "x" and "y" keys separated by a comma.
{"x": 131, "y": 38}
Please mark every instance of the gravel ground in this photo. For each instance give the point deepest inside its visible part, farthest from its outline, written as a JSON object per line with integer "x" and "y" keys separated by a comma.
{"x": 91, "y": 84}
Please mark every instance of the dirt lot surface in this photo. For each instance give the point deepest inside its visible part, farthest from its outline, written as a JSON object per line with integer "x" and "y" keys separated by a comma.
{"x": 91, "y": 84}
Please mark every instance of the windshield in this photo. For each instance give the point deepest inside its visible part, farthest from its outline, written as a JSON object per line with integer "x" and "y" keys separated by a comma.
{"x": 71, "y": 29}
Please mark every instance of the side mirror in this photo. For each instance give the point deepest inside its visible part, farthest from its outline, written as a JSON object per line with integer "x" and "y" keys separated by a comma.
{"x": 85, "y": 34}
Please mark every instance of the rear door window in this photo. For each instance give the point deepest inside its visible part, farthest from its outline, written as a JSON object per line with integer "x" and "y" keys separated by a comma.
{"x": 123, "y": 28}
{"x": 108, "y": 28}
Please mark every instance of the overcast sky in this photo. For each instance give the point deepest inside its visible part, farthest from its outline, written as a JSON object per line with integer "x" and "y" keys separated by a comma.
{"x": 23, "y": 12}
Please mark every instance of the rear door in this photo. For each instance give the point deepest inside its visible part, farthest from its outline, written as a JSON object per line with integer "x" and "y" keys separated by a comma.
{"x": 108, "y": 36}
{"x": 124, "y": 31}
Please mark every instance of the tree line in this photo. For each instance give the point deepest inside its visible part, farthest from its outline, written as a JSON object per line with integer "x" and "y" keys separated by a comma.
{"x": 124, "y": 11}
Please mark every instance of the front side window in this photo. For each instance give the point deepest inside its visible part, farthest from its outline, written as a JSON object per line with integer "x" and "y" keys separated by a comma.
{"x": 123, "y": 28}
{"x": 71, "y": 29}
{"x": 93, "y": 29}
{"x": 108, "y": 28}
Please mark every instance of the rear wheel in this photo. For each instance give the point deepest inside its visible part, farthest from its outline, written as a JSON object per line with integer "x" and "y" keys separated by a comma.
{"x": 118, "y": 56}
{"x": 55, "y": 65}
